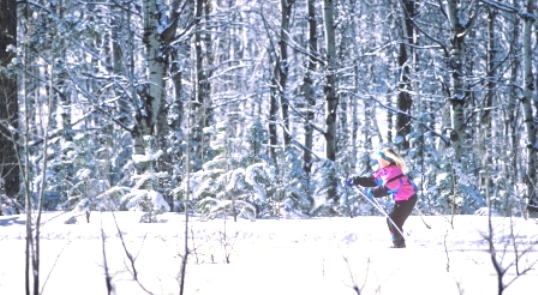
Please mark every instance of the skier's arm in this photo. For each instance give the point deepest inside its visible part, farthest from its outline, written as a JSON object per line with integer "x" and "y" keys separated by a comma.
{"x": 369, "y": 181}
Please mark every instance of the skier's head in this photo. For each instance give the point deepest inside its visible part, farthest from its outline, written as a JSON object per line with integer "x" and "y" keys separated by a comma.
{"x": 387, "y": 157}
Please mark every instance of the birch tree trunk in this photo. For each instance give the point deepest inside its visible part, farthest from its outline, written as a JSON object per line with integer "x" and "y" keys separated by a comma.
{"x": 530, "y": 128}
{"x": 331, "y": 97}
{"x": 510, "y": 125}
{"x": 170, "y": 141}
{"x": 150, "y": 94}
{"x": 388, "y": 115}
{"x": 457, "y": 95}
{"x": 485, "y": 126}
{"x": 9, "y": 106}
{"x": 355, "y": 119}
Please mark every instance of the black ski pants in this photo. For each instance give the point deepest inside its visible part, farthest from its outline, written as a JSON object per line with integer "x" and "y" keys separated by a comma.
{"x": 397, "y": 217}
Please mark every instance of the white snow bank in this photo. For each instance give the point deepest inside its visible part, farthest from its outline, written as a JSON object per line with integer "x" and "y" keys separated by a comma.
{"x": 299, "y": 256}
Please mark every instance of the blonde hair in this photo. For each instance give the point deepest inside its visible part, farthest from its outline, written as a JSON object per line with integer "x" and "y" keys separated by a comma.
{"x": 399, "y": 161}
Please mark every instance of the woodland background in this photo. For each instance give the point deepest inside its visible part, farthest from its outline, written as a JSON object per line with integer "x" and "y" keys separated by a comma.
{"x": 257, "y": 109}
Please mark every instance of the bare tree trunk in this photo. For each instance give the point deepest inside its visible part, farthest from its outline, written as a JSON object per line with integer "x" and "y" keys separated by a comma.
{"x": 169, "y": 124}
{"x": 459, "y": 26}
{"x": 25, "y": 163}
{"x": 308, "y": 89}
{"x": 406, "y": 60}
{"x": 528, "y": 89}
{"x": 178, "y": 110}
{"x": 33, "y": 227}
{"x": 187, "y": 172}
{"x": 203, "y": 87}
{"x": 278, "y": 96}
{"x": 36, "y": 259}
{"x": 149, "y": 94}
{"x": 485, "y": 110}
{"x": 24, "y": 160}
{"x": 283, "y": 66}
{"x": 455, "y": 61}
{"x": 273, "y": 115}
{"x": 331, "y": 96}
{"x": 9, "y": 106}
{"x": 122, "y": 49}
{"x": 388, "y": 115}
{"x": 64, "y": 100}
{"x": 509, "y": 132}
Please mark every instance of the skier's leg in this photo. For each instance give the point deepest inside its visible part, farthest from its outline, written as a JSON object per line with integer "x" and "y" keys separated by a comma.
{"x": 398, "y": 216}
{"x": 395, "y": 228}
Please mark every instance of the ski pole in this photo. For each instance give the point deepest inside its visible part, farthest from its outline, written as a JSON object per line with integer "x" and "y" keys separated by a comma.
{"x": 378, "y": 207}
{"x": 422, "y": 218}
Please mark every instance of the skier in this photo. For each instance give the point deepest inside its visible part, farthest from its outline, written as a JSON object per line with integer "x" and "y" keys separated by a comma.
{"x": 390, "y": 179}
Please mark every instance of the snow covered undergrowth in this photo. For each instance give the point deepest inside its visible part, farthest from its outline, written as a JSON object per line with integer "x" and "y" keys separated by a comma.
{"x": 292, "y": 256}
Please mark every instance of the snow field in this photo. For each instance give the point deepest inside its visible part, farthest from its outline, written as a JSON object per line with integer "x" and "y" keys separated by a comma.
{"x": 295, "y": 256}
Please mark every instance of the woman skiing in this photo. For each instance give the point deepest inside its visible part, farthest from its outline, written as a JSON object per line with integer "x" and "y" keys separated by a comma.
{"x": 390, "y": 179}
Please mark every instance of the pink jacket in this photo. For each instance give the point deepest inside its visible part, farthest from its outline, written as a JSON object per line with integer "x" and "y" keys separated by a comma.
{"x": 393, "y": 178}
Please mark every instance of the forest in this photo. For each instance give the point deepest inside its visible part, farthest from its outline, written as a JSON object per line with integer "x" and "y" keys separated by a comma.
{"x": 258, "y": 109}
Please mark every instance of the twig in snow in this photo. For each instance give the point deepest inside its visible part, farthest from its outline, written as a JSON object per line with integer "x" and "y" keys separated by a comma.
{"x": 108, "y": 278}
{"x": 130, "y": 257}
{"x": 446, "y": 252}
{"x": 352, "y": 277}
{"x": 53, "y": 266}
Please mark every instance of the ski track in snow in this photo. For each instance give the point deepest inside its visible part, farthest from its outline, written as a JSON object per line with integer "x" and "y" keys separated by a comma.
{"x": 286, "y": 256}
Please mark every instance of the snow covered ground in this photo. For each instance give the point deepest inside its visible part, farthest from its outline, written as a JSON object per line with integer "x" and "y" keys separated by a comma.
{"x": 292, "y": 256}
